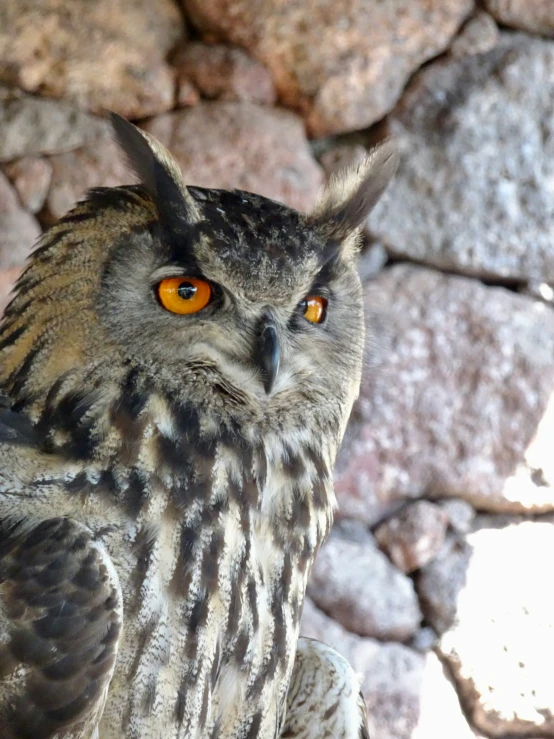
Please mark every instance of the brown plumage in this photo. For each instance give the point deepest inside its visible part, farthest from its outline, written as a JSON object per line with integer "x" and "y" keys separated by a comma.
{"x": 166, "y": 479}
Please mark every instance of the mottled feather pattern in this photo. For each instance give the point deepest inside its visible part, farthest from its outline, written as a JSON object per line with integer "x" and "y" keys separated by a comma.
{"x": 161, "y": 503}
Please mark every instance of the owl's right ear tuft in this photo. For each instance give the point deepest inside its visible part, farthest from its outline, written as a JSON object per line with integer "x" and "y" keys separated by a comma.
{"x": 158, "y": 171}
{"x": 351, "y": 195}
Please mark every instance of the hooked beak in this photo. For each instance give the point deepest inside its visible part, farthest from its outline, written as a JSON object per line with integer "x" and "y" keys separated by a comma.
{"x": 269, "y": 353}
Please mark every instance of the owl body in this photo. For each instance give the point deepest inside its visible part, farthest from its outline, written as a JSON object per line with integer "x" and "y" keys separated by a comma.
{"x": 166, "y": 473}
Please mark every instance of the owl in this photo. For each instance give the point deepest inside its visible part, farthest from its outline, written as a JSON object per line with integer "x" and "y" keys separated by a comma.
{"x": 177, "y": 365}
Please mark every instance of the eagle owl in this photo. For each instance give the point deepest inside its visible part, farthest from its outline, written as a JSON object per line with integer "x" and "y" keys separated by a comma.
{"x": 177, "y": 365}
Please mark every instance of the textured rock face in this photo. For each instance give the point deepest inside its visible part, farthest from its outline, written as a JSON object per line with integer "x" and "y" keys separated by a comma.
{"x": 106, "y": 54}
{"x": 223, "y": 72}
{"x": 342, "y": 64}
{"x": 413, "y": 537}
{"x": 357, "y": 584}
{"x": 530, "y": 15}
{"x": 468, "y": 197}
{"x": 30, "y": 125}
{"x": 457, "y": 402}
{"x": 229, "y": 145}
{"x": 391, "y": 674}
{"x": 18, "y": 230}
{"x": 31, "y": 178}
{"x": 244, "y": 146}
{"x": 500, "y": 647}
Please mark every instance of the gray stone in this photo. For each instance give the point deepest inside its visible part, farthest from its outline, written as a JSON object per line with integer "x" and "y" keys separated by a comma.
{"x": 101, "y": 55}
{"x": 501, "y": 646}
{"x": 392, "y": 675}
{"x": 33, "y": 126}
{"x": 456, "y": 401}
{"x": 244, "y": 146}
{"x": 478, "y": 36}
{"x": 356, "y": 584}
{"x": 459, "y": 513}
{"x": 440, "y": 582}
{"x": 222, "y": 72}
{"x": 474, "y": 190}
{"x": 414, "y": 536}
{"x": 18, "y": 231}
{"x": 31, "y": 178}
{"x": 342, "y": 64}
{"x": 536, "y": 16}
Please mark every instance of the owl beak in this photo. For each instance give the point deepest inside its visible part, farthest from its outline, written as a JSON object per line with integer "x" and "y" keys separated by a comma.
{"x": 269, "y": 354}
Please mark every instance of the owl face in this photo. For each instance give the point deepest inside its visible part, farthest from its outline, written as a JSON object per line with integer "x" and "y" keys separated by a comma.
{"x": 225, "y": 299}
{"x": 250, "y": 299}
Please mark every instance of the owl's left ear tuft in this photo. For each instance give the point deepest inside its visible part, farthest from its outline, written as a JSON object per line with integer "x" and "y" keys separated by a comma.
{"x": 158, "y": 171}
{"x": 351, "y": 195}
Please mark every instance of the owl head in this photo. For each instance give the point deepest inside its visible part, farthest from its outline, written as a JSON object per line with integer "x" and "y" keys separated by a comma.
{"x": 225, "y": 299}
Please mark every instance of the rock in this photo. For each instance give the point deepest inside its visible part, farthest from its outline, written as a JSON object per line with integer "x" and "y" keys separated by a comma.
{"x": 440, "y": 714}
{"x": 440, "y": 582}
{"x": 479, "y": 35}
{"x": 372, "y": 260}
{"x": 75, "y": 172}
{"x": 8, "y": 278}
{"x": 474, "y": 190}
{"x": 31, "y": 178}
{"x": 244, "y": 146}
{"x": 457, "y": 402}
{"x": 414, "y": 536}
{"x": 357, "y": 585}
{"x": 33, "y": 126}
{"x": 18, "y": 231}
{"x": 340, "y": 156}
{"x": 536, "y": 16}
{"x": 342, "y": 64}
{"x": 391, "y": 675}
{"x": 459, "y": 513}
{"x": 500, "y": 648}
{"x": 223, "y": 72}
{"x": 107, "y": 54}
{"x": 219, "y": 144}
{"x": 424, "y": 640}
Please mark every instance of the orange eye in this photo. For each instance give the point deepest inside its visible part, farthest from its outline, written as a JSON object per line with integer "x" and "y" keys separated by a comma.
{"x": 184, "y": 295}
{"x": 314, "y": 308}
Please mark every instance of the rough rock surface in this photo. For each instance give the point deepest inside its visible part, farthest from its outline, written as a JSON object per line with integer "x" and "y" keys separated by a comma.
{"x": 440, "y": 582}
{"x": 500, "y": 648}
{"x": 479, "y": 35}
{"x": 244, "y": 146}
{"x": 414, "y": 536}
{"x": 474, "y": 190}
{"x": 31, "y": 178}
{"x": 223, "y": 72}
{"x": 31, "y": 126}
{"x": 219, "y": 144}
{"x": 392, "y": 674}
{"x": 106, "y": 54}
{"x": 356, "y": 584}
{"x": 457, "y": 401}
{"x": 18, "y": 230}
{"x": 73, "y": 173}
{"x": 459, "y": 513}
{"x": 530, "y": 15}
{"x": 342, "y": 64}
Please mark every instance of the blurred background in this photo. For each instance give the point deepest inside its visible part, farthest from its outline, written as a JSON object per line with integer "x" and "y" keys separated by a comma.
{"x": 437, "y": 581}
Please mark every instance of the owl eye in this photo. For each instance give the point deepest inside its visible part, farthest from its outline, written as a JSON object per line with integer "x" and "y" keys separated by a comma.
{"x": 314, "y": 308}
{"x": 184, "y": 295}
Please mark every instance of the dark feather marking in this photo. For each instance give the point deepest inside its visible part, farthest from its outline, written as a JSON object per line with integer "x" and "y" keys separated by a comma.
{"x": 253, "y": 731}
{"x": 149, "y": 696}
{"x": 68, "y": 631}
{"x": 206, "y": 700}
{"x": 180, "y": 705}
{"x": 180, "y": 580}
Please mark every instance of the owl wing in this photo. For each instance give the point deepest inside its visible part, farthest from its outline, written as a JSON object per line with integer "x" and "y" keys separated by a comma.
{"x": 60, "y": 620}
{"x": 324, "y": 697}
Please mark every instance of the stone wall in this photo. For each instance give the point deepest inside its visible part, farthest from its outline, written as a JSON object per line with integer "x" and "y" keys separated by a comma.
{"x": 435, "y": 583}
